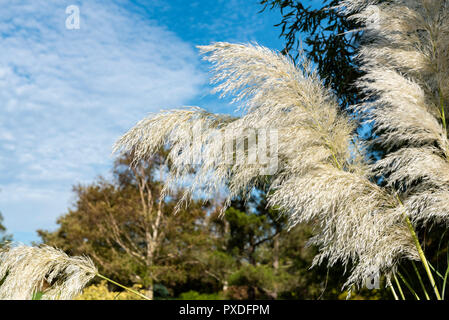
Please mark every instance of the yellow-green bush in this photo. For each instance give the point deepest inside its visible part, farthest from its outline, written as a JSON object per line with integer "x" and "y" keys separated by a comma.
{"x": 101, "y": 292}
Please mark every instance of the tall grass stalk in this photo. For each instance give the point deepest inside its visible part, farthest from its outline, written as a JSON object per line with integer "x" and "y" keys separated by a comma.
{"x": 399, "y": 287}
{"x": 418, "y": 275}
{"x": 393, "y": 292}
{"x": 421, "y": 256}
{"x": 408, "y": 286}
{"x": 444, "y": 282}
{"x": 123, "y": 287}
{"x": 423, "y": 260}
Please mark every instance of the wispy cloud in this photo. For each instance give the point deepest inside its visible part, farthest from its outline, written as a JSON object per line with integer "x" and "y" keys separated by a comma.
{"x": 66, "y": 95}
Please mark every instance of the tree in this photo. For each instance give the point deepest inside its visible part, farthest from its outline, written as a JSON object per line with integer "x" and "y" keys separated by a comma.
{"x": 129, "y": 229}
{"x": 253, "y": 227}
{"x": 257, "y": 257}
{"x": 4, "y": 237}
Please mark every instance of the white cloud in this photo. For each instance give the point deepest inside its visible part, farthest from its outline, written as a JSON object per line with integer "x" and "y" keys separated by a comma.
{"x": 67, "y": 95}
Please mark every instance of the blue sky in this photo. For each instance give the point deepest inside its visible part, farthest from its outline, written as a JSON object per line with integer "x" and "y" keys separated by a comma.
{"x": 67, "y": 95}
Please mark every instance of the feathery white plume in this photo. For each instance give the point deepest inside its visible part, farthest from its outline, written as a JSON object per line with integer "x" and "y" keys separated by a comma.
{"x": 24, "y": 270}
{"x": 406, "y": 60}
{"x": 317, "y": 178}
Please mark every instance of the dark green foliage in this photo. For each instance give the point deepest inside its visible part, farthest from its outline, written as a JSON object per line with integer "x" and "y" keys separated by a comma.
{"x": 4, "y": 237}
{"x": 329, "y": 40}
{"x": 194, "y": 295}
